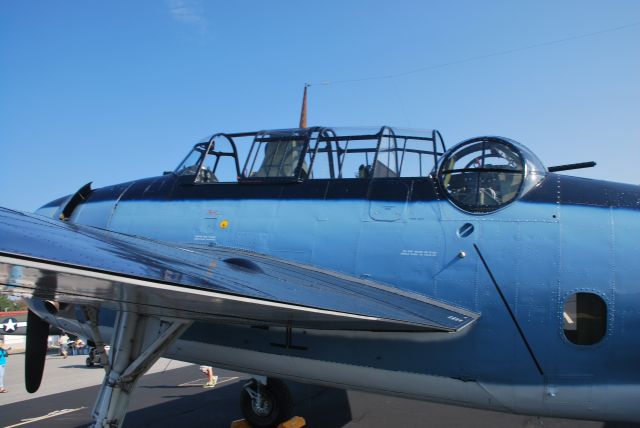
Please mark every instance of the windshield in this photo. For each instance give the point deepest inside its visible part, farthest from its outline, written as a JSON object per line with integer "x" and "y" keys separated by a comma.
{"x": 189, "y": 166}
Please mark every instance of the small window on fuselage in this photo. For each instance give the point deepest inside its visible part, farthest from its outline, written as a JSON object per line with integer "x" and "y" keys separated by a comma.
{"x": 585, "y": 318}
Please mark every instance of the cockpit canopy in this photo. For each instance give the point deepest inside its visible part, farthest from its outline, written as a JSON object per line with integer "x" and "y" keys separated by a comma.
{"x": 315, "y": 153}
{"x": 483, "y": 174}
{"x": 479, "y": 175}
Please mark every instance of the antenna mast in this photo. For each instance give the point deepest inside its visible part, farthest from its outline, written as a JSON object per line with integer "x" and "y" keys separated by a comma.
{"x": 303, "y": 112}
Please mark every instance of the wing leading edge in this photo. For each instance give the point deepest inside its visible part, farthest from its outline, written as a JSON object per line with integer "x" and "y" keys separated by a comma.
{"x": 51, "y": 259}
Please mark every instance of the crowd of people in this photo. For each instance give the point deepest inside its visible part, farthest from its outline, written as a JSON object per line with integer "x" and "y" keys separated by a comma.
{"x": 75, "y": 347}
{"x": 79, "y": 347}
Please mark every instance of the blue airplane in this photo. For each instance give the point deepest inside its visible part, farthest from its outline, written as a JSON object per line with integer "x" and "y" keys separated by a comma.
{"x": 370, "y": 259}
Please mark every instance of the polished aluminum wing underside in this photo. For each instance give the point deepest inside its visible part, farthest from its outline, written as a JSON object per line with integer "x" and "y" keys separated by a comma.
{"x": 50, "y": 259}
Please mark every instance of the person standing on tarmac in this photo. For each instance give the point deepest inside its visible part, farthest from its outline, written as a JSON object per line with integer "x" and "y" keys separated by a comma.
{"x": 212, "y": 379}
{"x": 3, "y": 363}
{"x": 64, "y": 345}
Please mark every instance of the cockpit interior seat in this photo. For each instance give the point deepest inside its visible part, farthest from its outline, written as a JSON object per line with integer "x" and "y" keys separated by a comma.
{"x": 280, "y": 159}
{"x": 382, "y": 170}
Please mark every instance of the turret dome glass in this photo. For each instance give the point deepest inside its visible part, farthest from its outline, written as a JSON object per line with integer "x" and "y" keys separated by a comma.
{"x": 483, "y": 174}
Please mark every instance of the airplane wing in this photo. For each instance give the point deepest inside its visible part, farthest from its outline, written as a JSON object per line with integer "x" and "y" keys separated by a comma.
{"x": 51, "y": 259}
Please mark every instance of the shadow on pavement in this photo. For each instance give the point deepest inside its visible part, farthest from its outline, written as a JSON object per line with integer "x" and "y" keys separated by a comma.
{"x": 620, "y": 425}
{"x": 220, "y": 409}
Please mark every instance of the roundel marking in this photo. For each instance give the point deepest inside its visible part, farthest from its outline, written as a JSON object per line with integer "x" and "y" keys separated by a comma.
{"x": 9, "y": 325}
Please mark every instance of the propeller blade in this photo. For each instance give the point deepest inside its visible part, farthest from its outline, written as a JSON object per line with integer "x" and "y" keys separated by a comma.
{"x": 37, "y": 335}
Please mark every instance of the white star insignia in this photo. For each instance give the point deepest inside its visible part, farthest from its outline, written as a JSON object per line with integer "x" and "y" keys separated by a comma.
{"x": 9, "y": 325}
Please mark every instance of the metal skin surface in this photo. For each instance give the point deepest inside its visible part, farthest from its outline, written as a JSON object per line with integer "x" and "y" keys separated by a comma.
{"x": 56, "y": 260}
{"x": 564, "y": 236}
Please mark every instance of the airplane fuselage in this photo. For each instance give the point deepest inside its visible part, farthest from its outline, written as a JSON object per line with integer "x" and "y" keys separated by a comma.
{"x": 564, "y": 237}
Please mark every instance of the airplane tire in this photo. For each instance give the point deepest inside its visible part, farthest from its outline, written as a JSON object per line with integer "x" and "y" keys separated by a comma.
{"x": 89, "y": 362}
{"x": 276, "y": 409}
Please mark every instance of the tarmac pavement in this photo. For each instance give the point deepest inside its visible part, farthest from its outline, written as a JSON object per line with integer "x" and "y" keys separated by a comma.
{"x": 171, "y": 395}
{"x": 61, "y": 374}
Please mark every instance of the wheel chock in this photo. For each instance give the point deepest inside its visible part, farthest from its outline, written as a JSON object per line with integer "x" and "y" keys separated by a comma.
{"x": 294, "y": 422}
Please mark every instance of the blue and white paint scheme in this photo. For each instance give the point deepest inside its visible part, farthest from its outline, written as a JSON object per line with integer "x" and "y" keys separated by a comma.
{"x": 373, "y": 260}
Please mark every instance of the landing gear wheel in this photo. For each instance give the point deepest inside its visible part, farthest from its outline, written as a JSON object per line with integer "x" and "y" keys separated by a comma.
{"x": 89, "y": 362}
{"x": 266, "y": 406}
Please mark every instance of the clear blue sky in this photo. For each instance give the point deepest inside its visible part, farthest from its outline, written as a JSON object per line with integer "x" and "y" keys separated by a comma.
{"x": 112, "y": 91}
